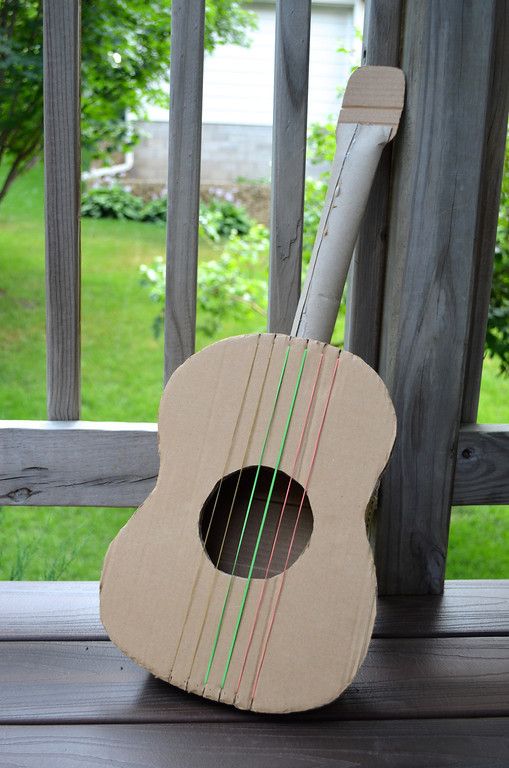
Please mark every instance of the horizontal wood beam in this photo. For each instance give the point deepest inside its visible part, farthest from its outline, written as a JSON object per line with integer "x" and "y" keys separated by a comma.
{"x": 115, "y": 464}
{"x": 80, "y": 463}
{"x": 482, "y": 465}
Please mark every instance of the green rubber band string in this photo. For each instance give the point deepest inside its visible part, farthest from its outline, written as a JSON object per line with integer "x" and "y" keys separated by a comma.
{"x": 232, "y": 505}
{"x": 264, "y": 517}
{"x": 248, "y": 510}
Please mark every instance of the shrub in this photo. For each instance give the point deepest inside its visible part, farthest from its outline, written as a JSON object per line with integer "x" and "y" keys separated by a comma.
{"x": 219, "y": 218}
{"x": 155, "y": 210}
{"x": 321, "y": 142}
{"x": 230, "y": 287}
{"x": 112, "y": 202}
{"x": 497, "y": 338}
{"x": 314, "y": 199}
{"x": 230, "y": 216}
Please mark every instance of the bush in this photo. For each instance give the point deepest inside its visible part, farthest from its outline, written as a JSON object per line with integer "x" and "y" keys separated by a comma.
{"x": 314, "y": 199}
{"x": 321, "y": 142}
{"x": 230, "y": 287}
{"x": 497, "y": 338}
{"x": 230, "y": 217}
{"x": 219, "y": 218}
{"x": 113, "y": 202}
{"x": 155, "y": 210}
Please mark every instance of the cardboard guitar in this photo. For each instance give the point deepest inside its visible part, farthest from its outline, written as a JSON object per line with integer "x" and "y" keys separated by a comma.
{"x": 246, "y": 576}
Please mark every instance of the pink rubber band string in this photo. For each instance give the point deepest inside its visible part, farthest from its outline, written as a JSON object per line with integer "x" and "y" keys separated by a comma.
{"x": 281, "y": 585}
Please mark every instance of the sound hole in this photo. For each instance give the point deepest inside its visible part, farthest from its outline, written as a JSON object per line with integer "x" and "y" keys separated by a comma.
{"x": 222, "y": 554}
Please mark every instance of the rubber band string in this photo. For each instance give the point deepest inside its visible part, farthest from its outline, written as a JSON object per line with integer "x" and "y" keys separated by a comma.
{"x": 285, "y": 569}
{"x": 264, "y": 517}
{"x": 232, "y": 505}
{"x": 202, "y": 559}
{"x": 248, "y": 510}
{"x": 280, "y": 520}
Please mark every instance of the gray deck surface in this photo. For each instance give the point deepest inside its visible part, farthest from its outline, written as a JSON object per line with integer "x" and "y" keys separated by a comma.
{"x": 433, "y": 691}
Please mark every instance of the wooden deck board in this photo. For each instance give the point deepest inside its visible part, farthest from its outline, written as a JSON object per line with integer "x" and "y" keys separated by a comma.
{"x": 434, "y": 690}
{"x": 70, "y": 611}
{"x": 477, "y": 743}
{"x": 80, "y": 681}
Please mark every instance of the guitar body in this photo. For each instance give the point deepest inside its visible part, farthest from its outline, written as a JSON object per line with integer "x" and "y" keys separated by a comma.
{"x": 169, "y": 598}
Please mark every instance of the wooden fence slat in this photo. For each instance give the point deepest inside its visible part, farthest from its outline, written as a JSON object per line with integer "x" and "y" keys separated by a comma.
{"x": 62, "y": 205}
{"x": 446, "y": 49}
{"x": 382, "y": 23}
{"x": 186, "y": 89}
{"x": 288, "y": 160}
{"x": 487, "y": 212}
{"x": 115, "y": 464}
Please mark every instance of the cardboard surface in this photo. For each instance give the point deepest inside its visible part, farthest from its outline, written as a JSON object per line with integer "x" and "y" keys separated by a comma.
{"x": 369, "y": 119}
{"x": 152, "y": 604}
{"x": 374, "y": 95}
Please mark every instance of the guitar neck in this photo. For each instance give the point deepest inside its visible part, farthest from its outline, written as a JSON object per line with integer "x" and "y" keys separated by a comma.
{"x": 372, "y": 107}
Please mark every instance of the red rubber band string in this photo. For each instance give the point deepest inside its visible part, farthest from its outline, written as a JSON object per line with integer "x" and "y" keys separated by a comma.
{"x": 281, "y": 585}
{"x": 281, "y": 514}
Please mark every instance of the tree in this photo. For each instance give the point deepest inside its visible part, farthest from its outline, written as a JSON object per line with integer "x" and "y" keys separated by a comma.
{"x": 125, "y": 58}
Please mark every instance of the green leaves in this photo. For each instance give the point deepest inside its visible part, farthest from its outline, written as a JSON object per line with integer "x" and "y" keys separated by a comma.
{"x": 321, "y": 142}
{"x": 234, "y": 285}
{"x": 231, "y": 287}
{"x": 497, "y": 337}
{"x": 113, "y": 202}
{"x": 20, "y": 84}
{"x": 125, "y": 60}
{"x": 219, "y": 217}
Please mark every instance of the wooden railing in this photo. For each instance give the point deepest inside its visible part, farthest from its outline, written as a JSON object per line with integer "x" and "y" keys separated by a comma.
{"x": 62, "y": 206}
{"x": 419, "y": 289}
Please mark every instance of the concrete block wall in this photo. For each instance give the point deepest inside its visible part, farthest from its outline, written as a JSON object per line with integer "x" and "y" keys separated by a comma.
{"x": 229, "y": 152}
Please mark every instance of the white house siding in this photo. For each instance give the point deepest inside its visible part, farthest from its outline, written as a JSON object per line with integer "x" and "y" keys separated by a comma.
{"x": 238, "y": 97}
{"x": 238, "y": 82}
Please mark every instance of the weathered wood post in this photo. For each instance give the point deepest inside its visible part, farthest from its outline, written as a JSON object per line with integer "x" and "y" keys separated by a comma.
{"x": 291, "y": 70}
{"x": 61, "y": 57}
{"x": 380, "y": 47}
{"x": 449, "y": 51}
{"x": 184, "y": 160}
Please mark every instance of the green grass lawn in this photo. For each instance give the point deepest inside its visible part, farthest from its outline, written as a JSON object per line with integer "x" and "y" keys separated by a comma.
{"x": 121, "y": 381}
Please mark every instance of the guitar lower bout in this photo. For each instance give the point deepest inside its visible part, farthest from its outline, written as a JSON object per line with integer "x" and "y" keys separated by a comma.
{"x": 247, "y": 576}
